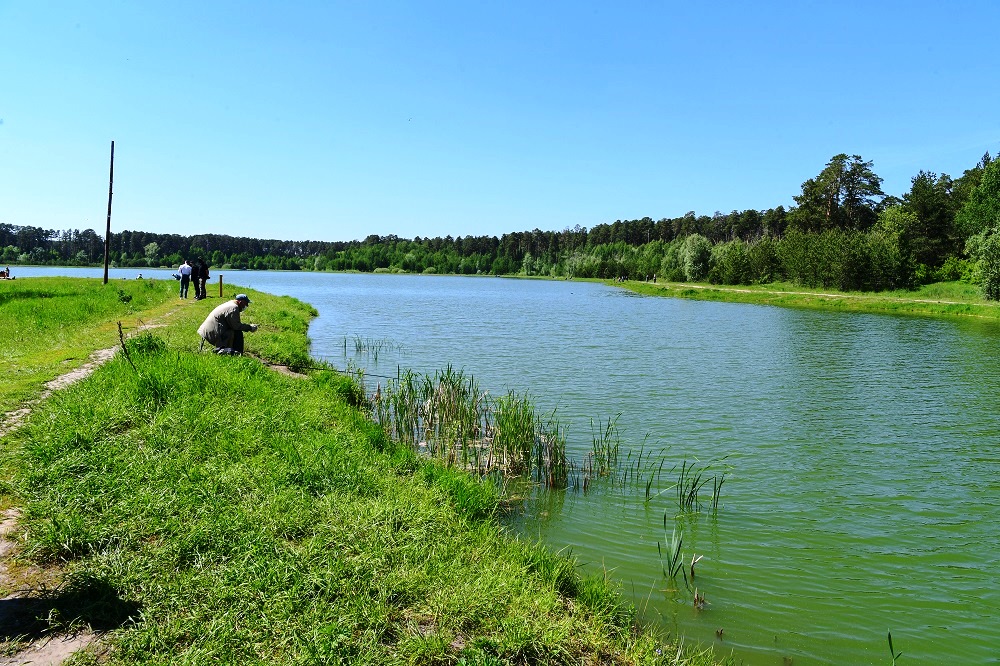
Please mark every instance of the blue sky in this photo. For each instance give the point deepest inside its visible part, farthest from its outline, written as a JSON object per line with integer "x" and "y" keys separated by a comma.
{"x": 336, "y": 120}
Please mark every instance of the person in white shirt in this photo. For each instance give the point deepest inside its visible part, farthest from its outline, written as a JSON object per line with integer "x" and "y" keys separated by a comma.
{"x": 185, "y": 273}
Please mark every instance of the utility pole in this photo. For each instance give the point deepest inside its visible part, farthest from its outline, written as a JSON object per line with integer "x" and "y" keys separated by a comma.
{"x": 107, "y": 234}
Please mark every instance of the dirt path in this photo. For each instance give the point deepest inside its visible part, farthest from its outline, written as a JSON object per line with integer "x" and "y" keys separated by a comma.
{"x": 46, "y": 650}
{"x": 13, "y": 420}
{"x": 38, "y": 650}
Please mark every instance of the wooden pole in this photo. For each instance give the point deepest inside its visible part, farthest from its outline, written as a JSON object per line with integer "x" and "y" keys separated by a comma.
{"x": 107, "y": 233}
{"x": 220, "y": 285}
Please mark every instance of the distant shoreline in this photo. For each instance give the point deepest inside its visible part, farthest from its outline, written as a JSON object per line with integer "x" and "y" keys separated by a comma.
{"x": 947, "y": 299}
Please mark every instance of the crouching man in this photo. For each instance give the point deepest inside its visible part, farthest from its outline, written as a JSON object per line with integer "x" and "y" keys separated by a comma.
{"x": 223, "y": 328}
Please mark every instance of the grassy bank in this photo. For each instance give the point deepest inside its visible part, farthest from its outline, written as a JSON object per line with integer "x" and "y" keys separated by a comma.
{"x": 953, "y": 299}
{"x": 51, "y": 325}
{"x": 206, "y": 509}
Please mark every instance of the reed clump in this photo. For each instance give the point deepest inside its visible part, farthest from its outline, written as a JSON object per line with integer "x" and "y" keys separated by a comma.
{"x": 372, "y": 347}
{"x": 447, "y": 416}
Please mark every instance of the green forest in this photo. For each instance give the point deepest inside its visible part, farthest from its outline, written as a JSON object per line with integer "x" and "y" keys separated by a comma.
{"x": 843, "y": 232}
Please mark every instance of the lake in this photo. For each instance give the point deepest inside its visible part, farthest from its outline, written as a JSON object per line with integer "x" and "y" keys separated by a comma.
{"x": 859, "y": 450}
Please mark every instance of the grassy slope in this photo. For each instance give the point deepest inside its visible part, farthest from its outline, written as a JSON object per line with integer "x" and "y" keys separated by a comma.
{"x": 208, "y": 510}
{"x": 940, "y": 299}
{"x": 50, "y": 325}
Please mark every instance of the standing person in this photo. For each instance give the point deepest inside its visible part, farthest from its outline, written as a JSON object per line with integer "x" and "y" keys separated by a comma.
{"x": 196, "y": 278}
{"x": 200, "y": 288}
{"x": 223, "y": 327}
{"x": 185, "y": 272}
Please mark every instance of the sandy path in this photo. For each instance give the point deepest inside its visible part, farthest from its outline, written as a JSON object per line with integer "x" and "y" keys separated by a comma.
{"x": 50, "y": 650}
{"x": 54, "y": 650}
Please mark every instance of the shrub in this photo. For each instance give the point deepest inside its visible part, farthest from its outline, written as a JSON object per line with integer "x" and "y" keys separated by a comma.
{"x": 695, "y": 257}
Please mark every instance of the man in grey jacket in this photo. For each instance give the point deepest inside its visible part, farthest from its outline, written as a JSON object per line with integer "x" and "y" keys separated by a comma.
{"x": 223, "y": 327}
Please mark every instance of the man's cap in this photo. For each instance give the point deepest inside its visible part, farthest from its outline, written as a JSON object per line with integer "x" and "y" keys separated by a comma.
{"x": 243, "y": 297}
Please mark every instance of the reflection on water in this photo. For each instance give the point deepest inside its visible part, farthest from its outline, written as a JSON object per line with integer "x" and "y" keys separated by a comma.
{"x": 862, "y": 473}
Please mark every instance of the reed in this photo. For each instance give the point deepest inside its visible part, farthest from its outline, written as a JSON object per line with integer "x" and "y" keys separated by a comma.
{"x": 717, "y": 482}
{"x": 514, "y": 428}
{"x": 603, "y": 457}
{"x": 553, "y": 467}
{"x": 372, "y": 347}
{"x": 448, "y": 417}
{"x": 690, "y": 481}
{"x": 454, "y": 416}
{"x": 671, "y": 561}
{"x": 689, "y": 485}
{"x": 892, "y": 652}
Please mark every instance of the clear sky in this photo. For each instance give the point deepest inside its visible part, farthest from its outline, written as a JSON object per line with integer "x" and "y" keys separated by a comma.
{"x": 336, "y": 120}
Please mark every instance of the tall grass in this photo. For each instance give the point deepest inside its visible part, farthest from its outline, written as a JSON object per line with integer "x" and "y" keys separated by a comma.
{"x": 49, "y": 325}
{"x": 448, "y": 417}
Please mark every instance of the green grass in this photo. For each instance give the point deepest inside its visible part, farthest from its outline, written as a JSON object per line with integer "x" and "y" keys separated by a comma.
{"x": 451, "y": 419}
{"x": 52, "y": 324}
{"x": 206, "y": 510}
{"x": 950, "y": 299}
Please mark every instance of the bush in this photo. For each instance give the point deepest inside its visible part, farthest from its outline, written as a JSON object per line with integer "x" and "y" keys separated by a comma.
{"x": 696, "y": 255}
{"x": 984, "y": 249}
{"x": 730, "y": 264}
{"x": 953, "y": 269}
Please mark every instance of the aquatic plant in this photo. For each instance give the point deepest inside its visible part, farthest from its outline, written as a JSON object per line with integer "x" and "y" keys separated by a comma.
{"x": 892, "y": 652}
{"x": 552, "y": 465}
{"x": 717, "y": 482}
{"x": 695, "y": 559}
{"x": 447, "y": 416}
{"x": 603, "y": 458}
{"x": 372, "y": 346}
{"x": 673, "y": 563}
{"x": 514, "y": 427}
{"x": 689, "y": 484}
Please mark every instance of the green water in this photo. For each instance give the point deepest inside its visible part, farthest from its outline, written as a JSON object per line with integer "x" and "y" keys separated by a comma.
{"x": 858, "y": 451}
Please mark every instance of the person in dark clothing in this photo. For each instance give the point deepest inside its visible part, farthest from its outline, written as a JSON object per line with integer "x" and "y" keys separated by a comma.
{"x": 203, "y": 280}
{"x": 196, "y": 278}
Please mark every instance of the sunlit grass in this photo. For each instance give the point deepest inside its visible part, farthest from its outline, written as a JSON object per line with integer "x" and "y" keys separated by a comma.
{"x": 952, "y": 299}
{"x": 50, "y": 326}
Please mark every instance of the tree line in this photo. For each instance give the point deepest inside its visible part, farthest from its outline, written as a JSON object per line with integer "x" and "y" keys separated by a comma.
{"x": 843, "y": 232}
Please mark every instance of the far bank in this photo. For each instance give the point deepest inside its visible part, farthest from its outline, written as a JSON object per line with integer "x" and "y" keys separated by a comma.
{"x": 948, "y": 299}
